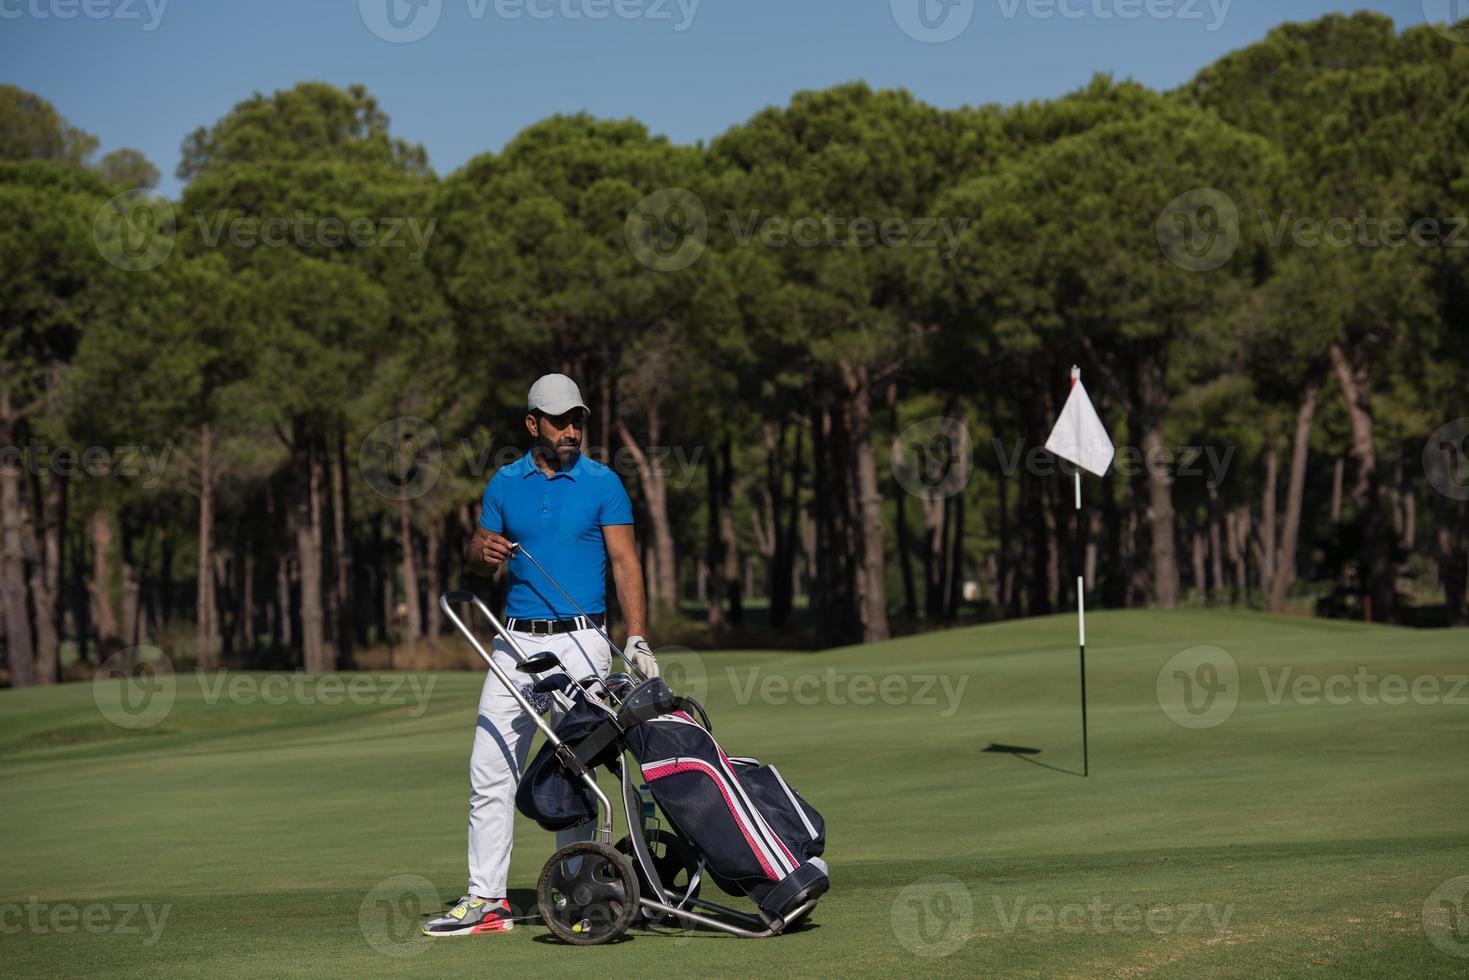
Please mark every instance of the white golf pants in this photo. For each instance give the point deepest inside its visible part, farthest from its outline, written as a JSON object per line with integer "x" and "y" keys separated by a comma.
{"x": 502, "y": 741}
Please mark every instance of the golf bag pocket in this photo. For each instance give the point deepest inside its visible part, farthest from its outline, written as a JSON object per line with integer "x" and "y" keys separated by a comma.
{"x": 790, "y": 816}
{"x": 755, "y": 833}
{"x": 552, "y": 794}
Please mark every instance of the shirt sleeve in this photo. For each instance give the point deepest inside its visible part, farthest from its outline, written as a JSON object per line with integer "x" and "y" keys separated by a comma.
{"x": 616, "y": 508}
{"x": 491, "y": 517}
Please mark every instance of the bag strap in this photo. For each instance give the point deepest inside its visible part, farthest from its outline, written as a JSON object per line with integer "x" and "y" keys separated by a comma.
{"x": 601, "y": 737}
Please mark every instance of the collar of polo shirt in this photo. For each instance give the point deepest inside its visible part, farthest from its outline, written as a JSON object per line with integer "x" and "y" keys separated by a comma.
{"x": 531, "y": 466}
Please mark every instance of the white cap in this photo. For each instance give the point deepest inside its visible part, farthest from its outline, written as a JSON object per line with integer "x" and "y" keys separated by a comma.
{"x": 554, "y": 394}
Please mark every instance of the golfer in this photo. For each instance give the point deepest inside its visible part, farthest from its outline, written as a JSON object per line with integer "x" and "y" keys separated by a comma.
{"x": 573, "y": 514}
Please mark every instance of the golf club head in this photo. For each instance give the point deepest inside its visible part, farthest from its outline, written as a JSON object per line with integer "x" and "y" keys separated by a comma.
{"x": 538, "y": 663}
{"x": 620, "y": 684}
{"x": 552, "y": 682}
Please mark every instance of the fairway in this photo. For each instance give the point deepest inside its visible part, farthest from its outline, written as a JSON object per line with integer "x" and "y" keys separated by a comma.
{"x": 1300, "y": 834}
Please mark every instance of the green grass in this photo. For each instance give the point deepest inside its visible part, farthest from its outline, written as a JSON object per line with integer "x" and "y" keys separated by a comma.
{"x": 1293, "y": 839}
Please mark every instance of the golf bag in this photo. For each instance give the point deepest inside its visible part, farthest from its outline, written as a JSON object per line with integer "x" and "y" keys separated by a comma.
{"x": 757, "y": 835}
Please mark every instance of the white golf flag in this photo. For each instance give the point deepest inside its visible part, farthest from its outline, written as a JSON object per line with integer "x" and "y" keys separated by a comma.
{"x": 1079, "y": 435}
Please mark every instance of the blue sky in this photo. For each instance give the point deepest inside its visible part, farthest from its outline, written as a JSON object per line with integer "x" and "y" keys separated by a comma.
{"x": 144, "y": 73}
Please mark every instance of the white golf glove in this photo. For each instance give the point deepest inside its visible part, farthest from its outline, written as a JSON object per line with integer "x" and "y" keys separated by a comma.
{"x": 640, "y": 655}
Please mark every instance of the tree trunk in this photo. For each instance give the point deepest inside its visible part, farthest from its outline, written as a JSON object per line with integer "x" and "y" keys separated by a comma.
{"x": 1285, "y": 563}
{"x": 714, "y": 587}
{"x": 1453, "y": 565}
{"x": 729, "y": 544}
{"x": 435, "y": 576}
{"x": 871, "y": 571}
{"x": 1197, "y": 555}
{"x": 1119, "y": 544}
{"x": 20, "y": 653}
{"x": 1338, "y": 471}
{"x": 128, "y": 608}
{"x": 1159, "y": 488}
{"x": 1377, "y": 573}
{"x": 655, "y": 495}
{"x": 783, "y": 506}
{"x": 104, "y": 615}
{"x": 956, "y": 558}
{"x": 206, "y": 628}
{"x": 308, "y": 531}
{"x": 1232, "y": 535}
{"x": 46, "y": 580}
{"x": 342, "y": 554}
{"x": 1265, "y": 544}
{"x": 247, "y": 603}
{"x": 1216, "y": 548}
{"x": 413, "y": 622}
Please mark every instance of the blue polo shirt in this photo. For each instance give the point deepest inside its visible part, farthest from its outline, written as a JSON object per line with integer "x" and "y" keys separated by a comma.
{"x": 560, "y": 520}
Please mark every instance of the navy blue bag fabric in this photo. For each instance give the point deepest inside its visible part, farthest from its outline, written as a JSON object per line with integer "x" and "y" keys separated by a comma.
{"x": 757, "y": 834}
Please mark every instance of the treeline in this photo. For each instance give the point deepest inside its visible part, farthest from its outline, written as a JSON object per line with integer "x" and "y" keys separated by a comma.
{"x": 823, "y": 352}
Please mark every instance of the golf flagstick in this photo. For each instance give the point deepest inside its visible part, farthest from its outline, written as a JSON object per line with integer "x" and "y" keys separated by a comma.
{"x": 1080, "y": 438}
{"x": 1081, "y": 621}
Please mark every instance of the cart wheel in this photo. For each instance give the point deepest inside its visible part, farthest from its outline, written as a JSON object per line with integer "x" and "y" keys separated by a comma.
{"x": 675, "y": 863}
{"x": 588, "y": 894}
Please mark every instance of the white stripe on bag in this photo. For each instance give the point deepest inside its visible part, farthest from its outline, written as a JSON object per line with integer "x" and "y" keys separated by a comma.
{"x": 774, "y": 857}
{"x": 756, "y": 818}
{"x": 794, "y": 802}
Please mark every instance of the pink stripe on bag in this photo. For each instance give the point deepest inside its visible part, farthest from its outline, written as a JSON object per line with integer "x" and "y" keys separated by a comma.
{"x": 695, "y": 765}
{"x": 773, "y": 835}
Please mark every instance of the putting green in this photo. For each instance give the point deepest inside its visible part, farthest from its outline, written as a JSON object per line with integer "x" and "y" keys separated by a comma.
{"x": 1304, "y": 816}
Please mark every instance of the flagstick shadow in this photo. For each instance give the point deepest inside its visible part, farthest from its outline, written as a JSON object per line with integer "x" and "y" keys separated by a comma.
{"x": 1024, "y": 754}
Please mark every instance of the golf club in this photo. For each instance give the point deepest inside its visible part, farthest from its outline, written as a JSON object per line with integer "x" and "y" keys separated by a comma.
{"x": 517, "y": 547}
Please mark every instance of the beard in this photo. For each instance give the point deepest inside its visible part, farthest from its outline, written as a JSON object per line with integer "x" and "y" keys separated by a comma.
{"x": 564, "y": 452}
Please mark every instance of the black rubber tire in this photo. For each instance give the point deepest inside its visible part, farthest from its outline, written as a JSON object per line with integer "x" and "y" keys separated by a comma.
{"x": 672, "y": 857}
{"x": 596, "y": 903}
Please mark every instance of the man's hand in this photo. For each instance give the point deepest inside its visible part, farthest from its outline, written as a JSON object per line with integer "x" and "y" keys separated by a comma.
{"x": 495, "y": 549}
{"x": 488, "y": 551}
{"x": 640, "y": 655}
